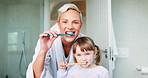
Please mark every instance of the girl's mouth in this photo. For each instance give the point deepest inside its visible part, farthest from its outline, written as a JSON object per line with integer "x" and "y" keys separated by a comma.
{"x": 83, "y": 63}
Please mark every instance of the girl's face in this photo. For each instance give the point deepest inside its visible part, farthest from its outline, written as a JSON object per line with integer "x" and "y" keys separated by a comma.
{"x": 68, "y": 23}
{"x": 85, "y": 57}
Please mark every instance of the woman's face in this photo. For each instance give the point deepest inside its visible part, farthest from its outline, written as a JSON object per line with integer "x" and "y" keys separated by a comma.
{"x": 86, "y": 57}
{"x": 68, "y": 23}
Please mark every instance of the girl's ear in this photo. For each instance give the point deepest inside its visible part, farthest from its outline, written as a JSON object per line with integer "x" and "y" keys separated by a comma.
{"x": 74, "y": 55}
{"x": 95, "y": 53}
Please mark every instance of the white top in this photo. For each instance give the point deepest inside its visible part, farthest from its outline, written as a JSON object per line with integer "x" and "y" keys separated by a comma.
{"x": 54, "y": 55}
{"x": 78, "y": 72}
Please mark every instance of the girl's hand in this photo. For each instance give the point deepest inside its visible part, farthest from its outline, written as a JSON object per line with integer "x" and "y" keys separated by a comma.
{"x": 46, "y": 41}
{"x": 63, "y": 64}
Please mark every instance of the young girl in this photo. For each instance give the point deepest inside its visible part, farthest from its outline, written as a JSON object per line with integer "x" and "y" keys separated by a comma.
{"x": 87, "y": 61}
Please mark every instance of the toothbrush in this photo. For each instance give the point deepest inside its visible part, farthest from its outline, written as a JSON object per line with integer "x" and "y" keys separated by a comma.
{"x": 62, "y": 35}
{"x": 70, "y": 64}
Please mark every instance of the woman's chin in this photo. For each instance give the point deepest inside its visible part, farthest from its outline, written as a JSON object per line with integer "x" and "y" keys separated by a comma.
{"x": 70, "y": 39}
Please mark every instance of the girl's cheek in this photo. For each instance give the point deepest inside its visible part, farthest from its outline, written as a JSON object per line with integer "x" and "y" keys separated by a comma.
{"x": 78, "y": 59}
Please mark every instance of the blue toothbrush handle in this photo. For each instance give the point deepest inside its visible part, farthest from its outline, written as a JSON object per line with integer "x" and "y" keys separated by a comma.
{"x": 62, "y": 35}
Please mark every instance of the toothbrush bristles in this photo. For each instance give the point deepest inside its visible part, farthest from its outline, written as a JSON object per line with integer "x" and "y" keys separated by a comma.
{"x": 69, "y": 64}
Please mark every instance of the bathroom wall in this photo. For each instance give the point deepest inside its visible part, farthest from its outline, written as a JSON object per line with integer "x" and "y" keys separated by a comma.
{"x": 130, "y": 20}
{"x": 2, "y": 34}
{"x": 16, "y": 17}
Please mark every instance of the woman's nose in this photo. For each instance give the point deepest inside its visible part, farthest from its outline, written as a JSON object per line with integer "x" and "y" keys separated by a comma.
{"x": 70, "y": 26}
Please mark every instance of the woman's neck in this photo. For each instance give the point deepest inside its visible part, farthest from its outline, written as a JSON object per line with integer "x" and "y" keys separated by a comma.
{"x": 67, "y": 48}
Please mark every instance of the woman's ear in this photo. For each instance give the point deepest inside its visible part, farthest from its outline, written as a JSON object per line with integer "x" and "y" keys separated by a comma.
{"x": 58, "y": 22}
{"x": 81, "y": 26}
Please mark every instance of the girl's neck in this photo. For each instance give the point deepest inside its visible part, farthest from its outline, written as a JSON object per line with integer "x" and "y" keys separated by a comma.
{"x": 92, "y": 66}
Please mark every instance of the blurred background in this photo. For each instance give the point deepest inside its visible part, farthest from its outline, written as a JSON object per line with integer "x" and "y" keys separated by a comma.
{"x": 119, "y": 27}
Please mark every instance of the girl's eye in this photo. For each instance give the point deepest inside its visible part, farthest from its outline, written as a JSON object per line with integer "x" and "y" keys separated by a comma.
{"x": 87, "y": 53}
{"x": 78, "y": 54}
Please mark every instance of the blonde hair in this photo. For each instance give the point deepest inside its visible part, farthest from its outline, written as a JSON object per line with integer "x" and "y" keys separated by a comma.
{"x": 86, "y": 43}
{"x": 67, "y": 7}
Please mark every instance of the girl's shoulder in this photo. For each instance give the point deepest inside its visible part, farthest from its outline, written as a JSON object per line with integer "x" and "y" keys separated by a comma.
{"x": 101, "y": 68}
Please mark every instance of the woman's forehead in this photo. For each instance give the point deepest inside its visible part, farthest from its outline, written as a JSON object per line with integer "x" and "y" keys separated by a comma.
{"x": 70, "y": 14}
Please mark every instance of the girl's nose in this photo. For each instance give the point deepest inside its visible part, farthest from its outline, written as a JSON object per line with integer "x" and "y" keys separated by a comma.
{"x": 83, "y": 58}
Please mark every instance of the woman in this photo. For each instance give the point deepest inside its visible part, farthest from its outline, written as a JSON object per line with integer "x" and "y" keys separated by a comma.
{"x": 51, "y": 50}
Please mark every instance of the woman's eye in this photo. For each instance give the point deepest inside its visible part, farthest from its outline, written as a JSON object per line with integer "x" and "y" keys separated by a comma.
{"x": 64, "y": 22}
{"x": 76, "y": 22}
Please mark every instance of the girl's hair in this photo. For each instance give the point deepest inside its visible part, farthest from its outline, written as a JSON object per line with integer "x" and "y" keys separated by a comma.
{"x": 86, "y": 43}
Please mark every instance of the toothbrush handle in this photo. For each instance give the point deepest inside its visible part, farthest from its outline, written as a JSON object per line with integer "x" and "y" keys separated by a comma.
{"x": 62, "y": 35}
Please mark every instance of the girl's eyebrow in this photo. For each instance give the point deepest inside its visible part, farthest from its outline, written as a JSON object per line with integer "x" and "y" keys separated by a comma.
{"x": 77, "y": 53}
{"x": 85, "y": 50}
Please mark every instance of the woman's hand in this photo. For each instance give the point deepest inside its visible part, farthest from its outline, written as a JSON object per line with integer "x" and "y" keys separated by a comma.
{"x": 46, "y": 41}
